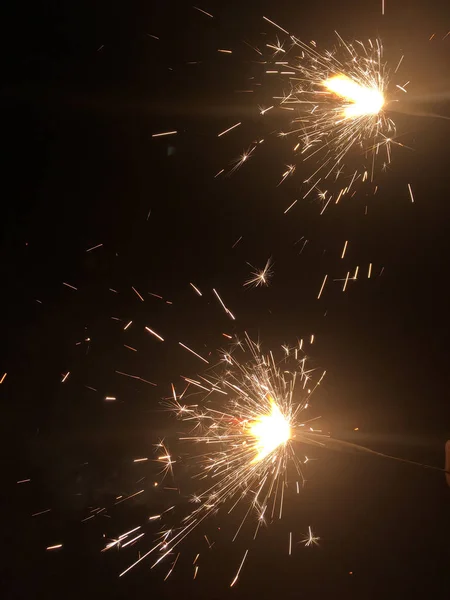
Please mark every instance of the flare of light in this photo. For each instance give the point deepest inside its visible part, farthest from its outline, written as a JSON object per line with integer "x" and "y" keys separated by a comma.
{"x": 270, "y": 431}
{"x": 363, "y": 100}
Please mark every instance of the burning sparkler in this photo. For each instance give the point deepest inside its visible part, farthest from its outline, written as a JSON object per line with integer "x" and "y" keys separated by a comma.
{"x": 336, "y": 102}
{"x": 247, "y": 444}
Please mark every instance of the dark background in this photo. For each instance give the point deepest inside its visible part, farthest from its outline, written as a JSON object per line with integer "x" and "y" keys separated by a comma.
{"x": 84, "y": 88}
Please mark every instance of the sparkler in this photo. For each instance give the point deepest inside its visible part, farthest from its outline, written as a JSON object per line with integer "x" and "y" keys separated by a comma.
{"x": 336, "y": 101}
{"x": 246, "y": 442}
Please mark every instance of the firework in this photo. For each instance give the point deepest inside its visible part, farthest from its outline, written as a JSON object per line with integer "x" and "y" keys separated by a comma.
{"x": 245, "y": 429}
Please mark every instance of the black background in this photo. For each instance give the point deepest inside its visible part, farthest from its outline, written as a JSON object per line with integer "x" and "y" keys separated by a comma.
{"x": 84, "y": 89}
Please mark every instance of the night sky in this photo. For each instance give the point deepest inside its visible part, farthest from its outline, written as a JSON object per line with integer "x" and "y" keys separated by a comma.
{"x": 84, "y": 87}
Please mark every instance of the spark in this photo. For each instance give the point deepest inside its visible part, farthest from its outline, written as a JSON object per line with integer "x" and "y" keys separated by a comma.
{"x": 311, "y": 539}
{"x": 196, "y": 289}
{"x": 55, "y": 547}
{"x": 110, "y": 398}
{"x": 236, "y": 242}
{"x": 127, "y": 325}
{"x": 224, "y": 51}
{"x": 275, "y": 25}
{"x": 410, "y": 192}
{"x": 164, "y": 133}
{"x": 204, "y": 12}
{"x": 129, "y": 497}
{"x": 322, "y": 286}
{"x": 290, "y": 206}
{"x": 239, "y": 570}
{"x": 194, "y": 353}
{"x": 154, "y": 334}
{"x": 344, "y": 249}
{"x": 23, "y": 481}
{"x": 229, "y": 129}
{"x": 94, "y": 247}
{"x": 290, "y": 543}
{"x": 137, "y": 294}
{"x": 260, "y": 277}
{"x": 3, "y": 378}
{"x": 369, "y": 273}
{"x": 133, "y": 377}
{"x": 66, "y": 375}
{"x": 223, "y": 305}
{"x": 72, "y": 287}
{"x": 137, "y": 460}
{"x": 133, "y": 540}
{"x": 346, "y": 281}
{"x": 172, "y": 567}
{"x": 42, "y": 512}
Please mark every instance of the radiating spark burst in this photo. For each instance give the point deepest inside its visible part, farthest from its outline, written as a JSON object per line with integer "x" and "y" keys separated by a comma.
{"x": 260, "y": 277}
{"x": 246, "y": 440}
{"x": 336, "y": 101}
{"x": 340, "y": 95}
{"x": 311, "y": 539}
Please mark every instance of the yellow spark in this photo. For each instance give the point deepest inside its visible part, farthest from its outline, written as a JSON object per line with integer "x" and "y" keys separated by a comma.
{"x": 137, "y": 294}
{"x": 322, "y": 286}
{"x": 239, "y": 570}
{"x": 196, "y": 289}
{"x": 362, "y": 100}
{"x": 410, "y": 192}
{"x": 194, "y": 353}
{"x": 344, "y": 250}
{"x": 55, "y": 547}
{"x": 229, "y": 129}
{"x": 155, "y": 334}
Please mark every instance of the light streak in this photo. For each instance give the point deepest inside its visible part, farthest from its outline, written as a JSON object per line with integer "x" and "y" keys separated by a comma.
{"x": 55, "y": 547}
{"x": 322, "y": 286}
{"x": 344, "y": 249}
{"x": 94, "y": 247}
{"x": 229, "y": 129}
{"x": 137, "y": 294}
{"x": 239, "y": 570}
{"x": 194, "y": 353}
{"x": 196, "y": 289}
{"x": 204, "y": 12}
{"x": 154, "y": 334}
{"x": 164, "y": 133}
{"x": 410, "y": 192}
